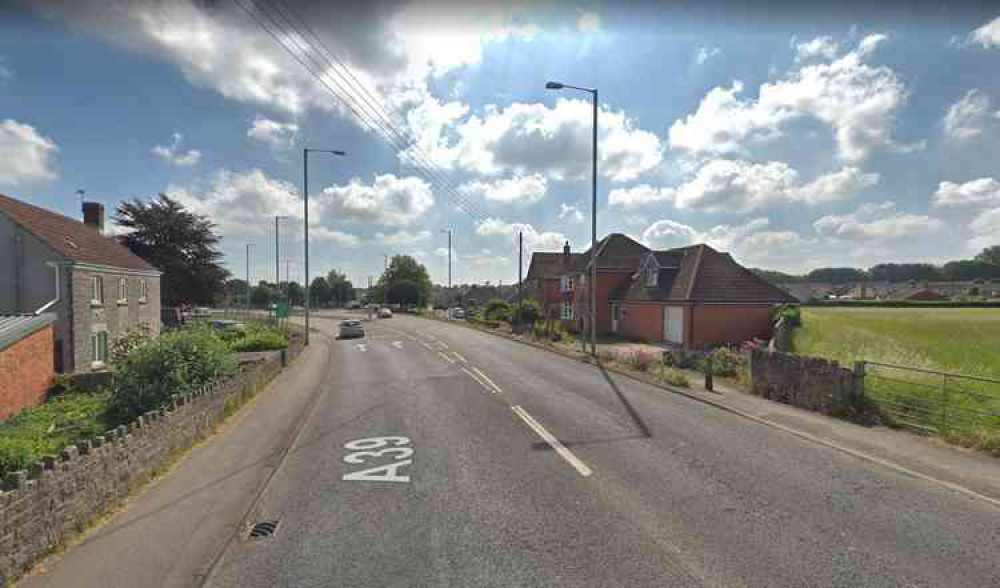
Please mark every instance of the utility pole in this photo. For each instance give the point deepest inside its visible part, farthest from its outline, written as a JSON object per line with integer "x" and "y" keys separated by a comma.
{"x": 386, "y": 256}
{"x": 305, "y": 206}
{"x": 520, "y": 264}
{"x": 249, "y": 245}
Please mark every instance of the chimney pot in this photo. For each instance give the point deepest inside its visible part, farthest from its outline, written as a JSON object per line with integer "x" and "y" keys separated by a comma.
{"x": 93, "y": 216}
{"x": 566, "y": 248}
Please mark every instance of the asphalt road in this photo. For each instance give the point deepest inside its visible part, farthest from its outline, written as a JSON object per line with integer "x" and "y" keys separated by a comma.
{"x": 490, "y": 463}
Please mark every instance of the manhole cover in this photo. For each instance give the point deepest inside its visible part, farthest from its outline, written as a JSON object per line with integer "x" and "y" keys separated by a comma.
{"x": 263, "y": 529}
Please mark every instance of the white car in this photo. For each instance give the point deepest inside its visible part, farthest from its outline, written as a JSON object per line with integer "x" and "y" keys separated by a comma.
{"x": 457, "y": 313}
{"x": 384, "y": 313}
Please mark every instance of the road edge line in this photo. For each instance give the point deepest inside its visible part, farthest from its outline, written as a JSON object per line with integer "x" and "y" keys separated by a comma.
{"x": 553, "y": 441}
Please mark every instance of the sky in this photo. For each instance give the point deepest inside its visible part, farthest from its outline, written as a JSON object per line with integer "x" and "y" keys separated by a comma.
{"x": 809, "y": 135}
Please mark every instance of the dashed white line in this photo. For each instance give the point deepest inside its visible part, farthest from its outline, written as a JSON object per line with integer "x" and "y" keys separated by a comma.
{"x": 459, "y": 356}
{"x": 492, "y": 384}
{"x": 443, "y": 344}
{"x": 478, "y": 381}
{"x": 446, "y": 358}
{"x": 552, "y": 441}
{"x": 425, "y": 344}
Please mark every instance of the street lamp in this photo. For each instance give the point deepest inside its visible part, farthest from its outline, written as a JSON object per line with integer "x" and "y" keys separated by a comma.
{"x": 593, "y": 215}
{"x": 448, "y": 230}
{"x": 305, "y": 205}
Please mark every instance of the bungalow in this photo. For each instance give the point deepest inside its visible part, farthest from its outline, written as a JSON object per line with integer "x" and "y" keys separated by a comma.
{"x": 693, "y": 296}
{"x": 96, "y": 288}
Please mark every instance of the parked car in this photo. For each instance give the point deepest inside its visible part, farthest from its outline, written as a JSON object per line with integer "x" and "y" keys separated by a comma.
{"x": 227, "y": 325}
{"x": 350, "y": 329}
{"x": 457, "y": 313}
{"x": 353, "y": 304}
{"x": 384, "y": 313}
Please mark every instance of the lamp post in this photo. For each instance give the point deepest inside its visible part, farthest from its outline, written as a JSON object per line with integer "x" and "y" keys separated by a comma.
{"x": 593, "y": 214}
{"x": 305, "y": 206}
{"x": 448, "y": 230}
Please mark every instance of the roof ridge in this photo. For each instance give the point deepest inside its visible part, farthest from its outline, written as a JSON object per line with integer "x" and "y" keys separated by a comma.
{"x": 694, "y": 271}
{"x": 38, "y": 208}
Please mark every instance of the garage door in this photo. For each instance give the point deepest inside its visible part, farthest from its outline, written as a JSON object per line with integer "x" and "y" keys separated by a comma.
{"x": 673, "y": 324}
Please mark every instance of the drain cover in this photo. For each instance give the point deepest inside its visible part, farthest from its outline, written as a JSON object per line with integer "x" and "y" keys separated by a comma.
{"x": 263, "y": 529}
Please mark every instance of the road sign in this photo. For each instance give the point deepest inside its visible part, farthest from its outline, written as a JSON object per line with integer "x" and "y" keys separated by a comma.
{"x": 282, "y": 310}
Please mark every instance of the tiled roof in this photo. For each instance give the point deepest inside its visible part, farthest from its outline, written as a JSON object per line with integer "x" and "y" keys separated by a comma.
{"x": 71, "y": 238}
{"x": 617, "y": 251}
{"x": 704, "y": 275}
{"x": 552, "y": 265}
{"x": 14, "y": 327}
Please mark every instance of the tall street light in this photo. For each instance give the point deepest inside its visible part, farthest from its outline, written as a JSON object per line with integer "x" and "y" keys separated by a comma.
{"x": 305, "y": 205}
{"x": 593, "y": 215}
{"x": 448, "y": 230}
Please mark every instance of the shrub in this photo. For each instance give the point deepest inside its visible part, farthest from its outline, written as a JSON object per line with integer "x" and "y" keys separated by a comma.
{"x": 257, "y": 337}
{"x": 728, "y": 363}
{"x": 644, "y": 359}
{"x": 178, "y": 362}
{"x": 674, "y": 377}
{"x": 497, "y": 310}
{"x": 792, "y": 314}
{"x": 128, "y": 342}
{"x": 530, "y": 312}
{"x": 16, "y": 455}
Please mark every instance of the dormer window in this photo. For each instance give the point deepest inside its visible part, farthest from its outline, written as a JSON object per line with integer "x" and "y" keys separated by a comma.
{"x": 652, "y": 275}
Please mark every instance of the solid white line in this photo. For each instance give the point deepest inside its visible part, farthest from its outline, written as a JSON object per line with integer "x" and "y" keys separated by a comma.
{"x": 442, "y": 344}
{"x": 426, "y": 345}
{"x": 446, "y": 358}
{"x": 459, "y": 356}
{"x": 478, "y": 381}
{"x": 551, "y": 440}
{"x": 496, "y": 388}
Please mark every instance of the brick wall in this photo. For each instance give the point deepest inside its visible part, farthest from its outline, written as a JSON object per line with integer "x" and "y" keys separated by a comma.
{"x": 26, "y": 370}
{"x": 57, "y": 497}
{"x": 642, "y": 321}
{"x": 807, "y": 382}
{"x": 713, "y": 324}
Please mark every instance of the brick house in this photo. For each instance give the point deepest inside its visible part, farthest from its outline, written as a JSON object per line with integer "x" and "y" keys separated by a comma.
{"x": 693, "y": 296}
{"x": 96, "y": 288}
{"x": 26, "y": 366}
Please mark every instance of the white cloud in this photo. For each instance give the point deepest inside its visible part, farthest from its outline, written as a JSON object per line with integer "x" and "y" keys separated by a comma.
{"x": 533, "y": 239}
{"x": 637, "y": 196}
{"x": 174, "y": 156}
{"x": 753, "y": 241}
{"x": 987, "y": 35}
{"x": 570, "y": 212}
{"x": 978, "y": 191}
{"x": 820, "y": 47}
{"x": 857, "y": 100}
{"x": 403, "y": 238}
{"x": 534, "y": 138}
{"x": 703, "y": 54}
{"x": 389, "y": 200}
{"x": 667, "y": 234}
{"x": 589, "y": 22}
{"x": 966, "y": 118}
{"x": 340, "y": 238}
{"x": 876, "y": 222}
{"x": 518, "y": 189}
{"x": 985, "y": 229}
{"x": 5, "y": 72}
{"x": 278, "y": 135}
{"x": 242, "y": 202}
{"x": 25, "y": 155}
{"x": 723, "y": 185}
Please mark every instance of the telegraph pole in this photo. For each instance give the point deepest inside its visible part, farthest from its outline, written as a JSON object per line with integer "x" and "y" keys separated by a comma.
{"x": 249, "y": 245}
{"x": 520, "y": 264}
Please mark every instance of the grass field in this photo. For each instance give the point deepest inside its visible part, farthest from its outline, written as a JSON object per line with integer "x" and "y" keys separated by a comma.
{"x": 956, "y": 340}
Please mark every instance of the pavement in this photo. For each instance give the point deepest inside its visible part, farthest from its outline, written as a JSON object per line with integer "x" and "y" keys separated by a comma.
{"x": 427, "y": 454}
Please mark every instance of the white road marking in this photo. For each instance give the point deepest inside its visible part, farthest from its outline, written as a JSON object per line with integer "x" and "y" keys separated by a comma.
{"x": 459, "y": 357}
{"x": 478, "y": 381}
{"x": 446, "y": 358}
{"x": 492, "y": 384}
{"x": 551, "y": 440}
{"x": 442, "y": 344}
{"x": 397, "y": 344}
{"x": 425, "y": 344}
{"x": 362, "y": 347}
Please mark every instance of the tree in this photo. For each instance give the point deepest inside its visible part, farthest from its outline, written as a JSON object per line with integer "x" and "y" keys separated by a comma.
{"x": 181, "y": 244}
{"x": 838, "y": 275}
{"x": 904, "y": 272}
{"x": 403, "y": 292}
{"x": 989, "y": 255}
{"x": 497, "y": 309}
{"x": 319, "y": 291}
{"x": 341, "y": 289}
{"x": 970, "y": 270}
{"x": 263, "y": 294}
{"x": 776, "y": 277}
{"x": 296, "y": 294}
{"x": 404, "y": 268}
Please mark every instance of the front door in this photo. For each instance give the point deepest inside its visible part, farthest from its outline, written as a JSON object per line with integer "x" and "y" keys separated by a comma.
{"x": 673, "y": 324}
{"x": 614, "y": 318}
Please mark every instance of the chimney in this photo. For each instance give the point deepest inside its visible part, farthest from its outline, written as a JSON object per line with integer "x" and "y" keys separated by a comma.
{"x": 566, "y": 249}
{"x": 93, "y": 216}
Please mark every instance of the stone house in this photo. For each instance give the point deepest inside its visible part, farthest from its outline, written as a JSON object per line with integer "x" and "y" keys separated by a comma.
{"x": 692, "y": 296}
{"x": 96, "y": 288}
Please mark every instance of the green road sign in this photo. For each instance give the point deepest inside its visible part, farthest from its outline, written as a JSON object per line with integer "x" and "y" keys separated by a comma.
{"x": 282, "y": 310}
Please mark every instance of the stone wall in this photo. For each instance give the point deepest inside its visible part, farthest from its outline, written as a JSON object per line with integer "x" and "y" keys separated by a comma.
{"x": 60, "y": 495}
{"x": 807, "y": 382}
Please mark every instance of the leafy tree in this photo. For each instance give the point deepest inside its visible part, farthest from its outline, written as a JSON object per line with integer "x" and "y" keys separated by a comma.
{"x": 989, "y": 255}
{"x": 903, "y": 272}
{"x": 263, "y": 294}
{"x": 403, "y": 268}
{"x": 776, "y": 277}
{"x": 837, "y": 275}
{"x": 404, "y": 292}
{"x": 530, "y": 311}
{"x": 295, "y": 293}
{"x": 319, "y": 292}
{"x": 181, "y": 244}
{"x": 497, "y": 310}
{"x": 970, "y": 270}
{"x": 341, "y": 289}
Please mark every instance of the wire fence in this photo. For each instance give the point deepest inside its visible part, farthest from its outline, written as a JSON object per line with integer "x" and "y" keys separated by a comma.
{"x": 934, "y": 402}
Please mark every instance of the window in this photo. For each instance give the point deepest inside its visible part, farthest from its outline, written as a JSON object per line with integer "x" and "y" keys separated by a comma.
{"x": 652, "y": 273}
{"x": 96, "y": 290}
{"x": 566, "y": 311}
{"x": 122, "y": 291}
{"x": 566, "y": 283}
{"x": 99, "y": 347}
{"x": 143, "y": 290}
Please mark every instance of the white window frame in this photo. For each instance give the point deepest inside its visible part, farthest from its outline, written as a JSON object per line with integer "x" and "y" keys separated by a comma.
{"x": 652, "y": 275}
{"x": 97, "y": 290}
{"x": 143, "y": 291}
{"x": 98, "y": 349}
{"x": 565, "y": 283}
{"x": 122, "y": 291}
{"x": 566, "y": 310}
